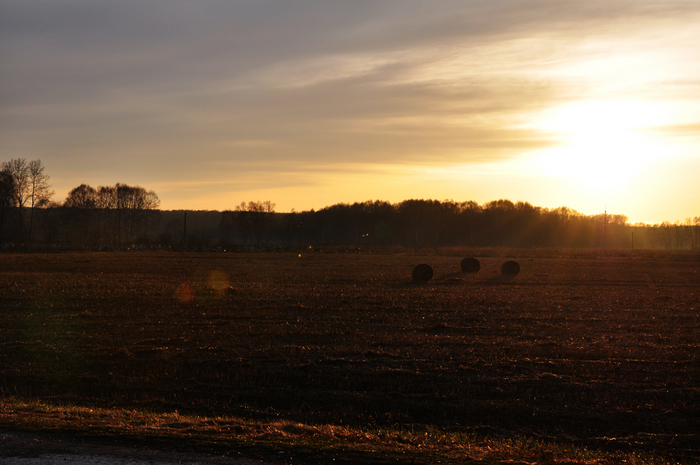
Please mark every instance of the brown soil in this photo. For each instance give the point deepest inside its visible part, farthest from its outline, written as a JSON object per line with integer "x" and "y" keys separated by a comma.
{"x": 598, "y": 352}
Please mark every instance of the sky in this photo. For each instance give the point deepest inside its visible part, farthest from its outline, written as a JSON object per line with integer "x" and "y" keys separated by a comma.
{"x": 592, "y": 105}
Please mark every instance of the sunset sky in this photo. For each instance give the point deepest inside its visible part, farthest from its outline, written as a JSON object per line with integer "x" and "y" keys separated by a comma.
{"x": 589, "y": 105}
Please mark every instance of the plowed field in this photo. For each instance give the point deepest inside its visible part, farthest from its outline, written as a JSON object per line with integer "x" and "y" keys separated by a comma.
{"x": 602, "y": 352}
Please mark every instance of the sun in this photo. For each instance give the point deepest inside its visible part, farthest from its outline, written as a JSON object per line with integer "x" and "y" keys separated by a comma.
{"x": 600, "y": 145}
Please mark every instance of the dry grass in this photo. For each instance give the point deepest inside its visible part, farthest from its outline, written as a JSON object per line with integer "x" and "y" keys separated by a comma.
{"x": 575, "y": 353}
{"x": 315, "y": 443}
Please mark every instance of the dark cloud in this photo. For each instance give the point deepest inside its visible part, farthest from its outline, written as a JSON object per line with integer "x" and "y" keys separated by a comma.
{"x": 67, "y": 50}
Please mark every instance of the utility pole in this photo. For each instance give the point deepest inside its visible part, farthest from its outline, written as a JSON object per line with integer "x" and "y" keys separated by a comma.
{"x": 633, "y": 237}
{"x": 605, "y": 228}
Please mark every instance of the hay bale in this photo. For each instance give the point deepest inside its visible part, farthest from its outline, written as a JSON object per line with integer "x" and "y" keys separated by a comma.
{"x": 470, "y": 265}
{"x": 510, "y": 268}
{"x": 422, "y": 273}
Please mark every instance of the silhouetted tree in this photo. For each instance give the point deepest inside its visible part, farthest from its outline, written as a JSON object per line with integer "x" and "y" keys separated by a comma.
{"x": 17, "y": 170}
{"x": 28, "y": 186}
{"x": 111, "y": 214}
{"x": 126, "y": 214}
{"x": 81, "y": 215}
{"x": 83, "y": 197}
{"x": 40, "y": 192}
{"x": 421, "y": 223}
{"x": 137, "y": 208}
{"x": 696, "y": 233}
{"x": 228, "y": 224}
{"x": 6, "y": 189}
{"x": 252, "y": 219}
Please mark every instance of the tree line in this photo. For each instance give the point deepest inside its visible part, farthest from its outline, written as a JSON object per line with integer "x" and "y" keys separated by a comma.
{"x": 433, "y": 223}
{"x": 104, "y": 216}
{"x": 427, "y": 223}
{"x": 121, "y": 215}
{"x": 23, "y": 186}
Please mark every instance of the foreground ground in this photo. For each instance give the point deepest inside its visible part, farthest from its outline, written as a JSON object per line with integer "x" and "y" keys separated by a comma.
{"x": 22, "y": 448}
{"x": 591, "y": 358}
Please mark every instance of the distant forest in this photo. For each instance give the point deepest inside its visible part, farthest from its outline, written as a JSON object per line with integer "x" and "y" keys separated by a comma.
{"x": 127, "y": 217}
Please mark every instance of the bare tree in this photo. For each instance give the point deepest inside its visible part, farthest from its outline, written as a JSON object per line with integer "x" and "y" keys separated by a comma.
{"x": 17, "y": 170}
{"x": 40, "y": 192}
{"x": 105, "y": 217}
{"x": 262, "y": 218}
{"x": 111, "y": 213}
{"x": 6, "y": 189}
{"x": 28, "y": 186}
{"x": 137, "y": 208}
{"x": 81, "y": 215}
{"x": 253, "y": 218}
{"x": 83, "y": 196}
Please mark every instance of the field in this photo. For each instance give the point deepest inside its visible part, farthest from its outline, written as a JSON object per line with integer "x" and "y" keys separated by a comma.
{"x": 591, "y": 358}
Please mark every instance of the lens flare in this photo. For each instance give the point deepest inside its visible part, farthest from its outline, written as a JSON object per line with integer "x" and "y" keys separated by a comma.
{"x": 218, "y": 282}
{"x": 184, "y": 293}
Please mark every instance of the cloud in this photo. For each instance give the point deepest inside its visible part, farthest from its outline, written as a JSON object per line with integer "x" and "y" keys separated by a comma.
{"x": 206, "y": 90}
{"x": 687, "y": 132}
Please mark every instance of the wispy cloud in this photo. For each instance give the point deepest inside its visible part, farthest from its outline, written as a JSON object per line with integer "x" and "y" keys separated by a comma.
{"x": 160, "y": 90}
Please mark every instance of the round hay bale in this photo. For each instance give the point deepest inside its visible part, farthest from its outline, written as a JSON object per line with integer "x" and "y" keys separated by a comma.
{"x": 422, "y": 273}
{"x": 470, "y": 265}
{"x": 510, "y": 268}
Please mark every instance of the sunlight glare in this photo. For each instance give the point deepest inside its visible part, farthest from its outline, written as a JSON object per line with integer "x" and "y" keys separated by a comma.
{"x": 602, "y": 144}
